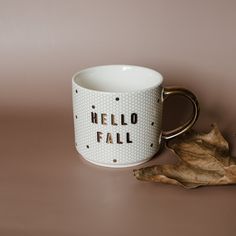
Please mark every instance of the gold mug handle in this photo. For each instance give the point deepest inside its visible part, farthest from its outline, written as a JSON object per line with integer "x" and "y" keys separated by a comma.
{"x": 170, "y": 91}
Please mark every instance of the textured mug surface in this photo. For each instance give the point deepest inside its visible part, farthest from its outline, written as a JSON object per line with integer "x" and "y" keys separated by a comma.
{"x": 117, "y": 114}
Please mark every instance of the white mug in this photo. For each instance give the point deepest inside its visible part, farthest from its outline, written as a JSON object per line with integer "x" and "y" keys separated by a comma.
{"x": 118, "y": 114}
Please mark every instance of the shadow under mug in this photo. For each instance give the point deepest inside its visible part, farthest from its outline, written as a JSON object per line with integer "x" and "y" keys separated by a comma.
{"x": 118, "y": 114}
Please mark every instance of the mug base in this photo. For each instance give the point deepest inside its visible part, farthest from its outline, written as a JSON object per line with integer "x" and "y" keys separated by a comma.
{"x": 118, "y": 165}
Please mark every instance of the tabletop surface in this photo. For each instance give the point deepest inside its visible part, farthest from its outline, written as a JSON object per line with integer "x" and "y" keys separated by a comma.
{"x": 47, "y": 188}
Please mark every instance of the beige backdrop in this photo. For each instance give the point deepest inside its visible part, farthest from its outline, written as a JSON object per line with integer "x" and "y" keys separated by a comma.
{"x": 45, "y": 187}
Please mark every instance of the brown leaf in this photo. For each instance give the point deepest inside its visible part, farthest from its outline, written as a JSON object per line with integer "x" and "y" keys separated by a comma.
{"x": 203, "y": 159}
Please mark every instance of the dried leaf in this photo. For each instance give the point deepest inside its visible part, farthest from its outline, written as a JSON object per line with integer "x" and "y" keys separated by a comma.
{"x": 203, "y": 159}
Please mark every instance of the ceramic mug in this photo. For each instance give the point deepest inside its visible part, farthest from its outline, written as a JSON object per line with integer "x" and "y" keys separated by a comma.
{"x": 118, "y": 114}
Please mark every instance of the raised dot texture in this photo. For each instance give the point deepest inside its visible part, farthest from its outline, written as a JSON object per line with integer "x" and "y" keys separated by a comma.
{"x": 142, "y": 134}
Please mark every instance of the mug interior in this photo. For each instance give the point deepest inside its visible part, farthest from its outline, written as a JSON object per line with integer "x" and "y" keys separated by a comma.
{"x": 118, "y": 78}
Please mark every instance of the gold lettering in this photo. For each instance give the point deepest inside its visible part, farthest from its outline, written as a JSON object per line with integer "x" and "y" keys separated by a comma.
{"x": 99, "y": 136}
{"x": 134, "y": 118}
{"x": 94, "y": 117}
{"x": 123, "y": 119}
{"x": 104, "y": 118}
{"x": 118, "y": 138}
{"x": 113, "y": 119}
{"x": 128, "y": 138}
{"x": 109, "y": 138}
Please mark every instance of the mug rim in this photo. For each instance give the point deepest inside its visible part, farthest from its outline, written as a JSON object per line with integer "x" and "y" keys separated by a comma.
{"x": 158, "y": 84}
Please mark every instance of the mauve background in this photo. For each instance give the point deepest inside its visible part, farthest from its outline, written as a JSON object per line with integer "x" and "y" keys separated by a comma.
{"x": 45, "y": 187}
